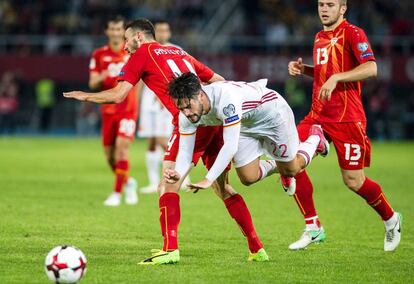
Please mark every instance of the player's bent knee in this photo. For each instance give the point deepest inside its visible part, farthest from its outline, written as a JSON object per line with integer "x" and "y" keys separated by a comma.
{"x": 122, "y": 143}
{"x": 352, "y": 183}
{"x": 247, "y": 182}
{"x": 247, "y": 178}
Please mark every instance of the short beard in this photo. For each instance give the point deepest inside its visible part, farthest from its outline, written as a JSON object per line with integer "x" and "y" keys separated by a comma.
{"x": 198, "y": 115}
{"x": 331, "y": 23}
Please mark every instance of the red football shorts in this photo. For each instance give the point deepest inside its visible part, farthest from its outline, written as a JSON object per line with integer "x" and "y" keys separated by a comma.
{"x": 209, "y": 140}
{"x": 114, "y": 125}
{"x": 352, "y": 145}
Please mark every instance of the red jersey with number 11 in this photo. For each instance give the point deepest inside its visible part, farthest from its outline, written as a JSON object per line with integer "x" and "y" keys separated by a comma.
{"x": 157, "y": 65}
{"x": 337, "y": 51}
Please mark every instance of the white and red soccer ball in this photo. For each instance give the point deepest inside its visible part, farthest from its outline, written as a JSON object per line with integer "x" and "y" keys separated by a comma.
{"x": 65, "y": 264}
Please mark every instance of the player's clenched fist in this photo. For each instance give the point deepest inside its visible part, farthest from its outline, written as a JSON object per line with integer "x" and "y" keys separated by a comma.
{"x": 296, "y": 67}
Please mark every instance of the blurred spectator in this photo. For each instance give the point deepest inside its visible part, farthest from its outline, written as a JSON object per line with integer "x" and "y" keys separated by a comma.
{"x": 295, "y": 94}
{"x": 45, "y": 101}
{"x": 87, "y": 121}
{"x": 408, "y": 117}
{"x": 377, "y": 110}
{"x": 273, "y": 20}
{"x": 9, "y": 103}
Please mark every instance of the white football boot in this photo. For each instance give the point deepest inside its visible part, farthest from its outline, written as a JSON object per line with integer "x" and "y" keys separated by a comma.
{"x": 308, "y": 237}
{"x": 393, "y": 232}
{"x": 113, "y": 200}
{"x": 131, "y": 196}
{"x": 288, "y": 184}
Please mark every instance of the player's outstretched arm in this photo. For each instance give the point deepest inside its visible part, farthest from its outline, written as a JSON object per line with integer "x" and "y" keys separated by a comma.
{"x": 297, "y": 67}
{"x": 184, "y": 158}
{"x": 359, "y": 73}
{"x": 115, "y": 95}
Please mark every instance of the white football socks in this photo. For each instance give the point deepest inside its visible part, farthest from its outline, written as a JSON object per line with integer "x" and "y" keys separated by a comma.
{"x": 153, "y": 161}
{"x": 267, "y": 168}
{"x": 307, "y": 149}
{"x": 390, "y": 223}
{"x": 312, "y": 226}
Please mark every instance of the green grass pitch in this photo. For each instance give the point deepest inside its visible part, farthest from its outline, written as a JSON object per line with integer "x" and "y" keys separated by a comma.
{"x": 51, "y": 193}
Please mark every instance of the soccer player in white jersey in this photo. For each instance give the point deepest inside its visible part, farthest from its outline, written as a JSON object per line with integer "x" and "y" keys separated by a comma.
{"x": 256, "y": 120}
{"x": 155, "y": 120}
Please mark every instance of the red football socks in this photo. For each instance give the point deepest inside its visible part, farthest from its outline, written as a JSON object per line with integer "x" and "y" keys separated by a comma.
{"x": 121, "y": 175}
{"x": 169, "y": 219}
{"x": 240, "y": 213}
{"x": 304, "y": 198}
{"x": 372, "y": 193}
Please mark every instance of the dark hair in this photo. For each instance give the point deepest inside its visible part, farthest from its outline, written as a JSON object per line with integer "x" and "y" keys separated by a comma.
{"x": 114, "y": 19}
{"x": 185, "y": 86}
{"x": 160, "y": 21}
{"x": 143, "y": 25}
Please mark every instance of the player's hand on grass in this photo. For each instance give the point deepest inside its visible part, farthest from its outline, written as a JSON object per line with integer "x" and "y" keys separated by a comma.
{"x": 326, "y": 90}
{"x": 195, "y": 187}
{"x": 296, "y": 67}
{"x": 171, "y": 175}
{"x": 78, "y": 95}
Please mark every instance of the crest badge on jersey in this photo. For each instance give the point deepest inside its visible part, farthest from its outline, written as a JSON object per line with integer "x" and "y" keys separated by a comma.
{"x": 229, "y": 110}
{"x": 334, "y": 40}
{"x": 362, "y": 46}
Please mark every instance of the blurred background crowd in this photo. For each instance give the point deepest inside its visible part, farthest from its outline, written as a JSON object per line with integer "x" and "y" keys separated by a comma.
{"x": 45, "y": 46}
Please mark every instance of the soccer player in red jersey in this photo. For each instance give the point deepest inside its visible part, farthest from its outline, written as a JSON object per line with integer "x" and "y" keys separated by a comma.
{"x": 157, "y": 65}
{"x": 342, "y": 58}
{"x": 118, "y": 120}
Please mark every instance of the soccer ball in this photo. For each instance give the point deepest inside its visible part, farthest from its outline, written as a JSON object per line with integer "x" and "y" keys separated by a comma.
{"x": 65, "y": 264}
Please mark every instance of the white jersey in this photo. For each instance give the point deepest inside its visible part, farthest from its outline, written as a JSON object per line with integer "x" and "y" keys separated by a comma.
{"x": 256, "y": 120}
{"x": 252, "y": 104}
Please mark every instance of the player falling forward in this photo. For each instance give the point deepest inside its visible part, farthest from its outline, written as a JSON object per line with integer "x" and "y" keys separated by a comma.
{"x": 256, "y": 120}
{"x": 342, "y": 58}
{"x": 157, "y": 65}
{"x": 118, "y": 120}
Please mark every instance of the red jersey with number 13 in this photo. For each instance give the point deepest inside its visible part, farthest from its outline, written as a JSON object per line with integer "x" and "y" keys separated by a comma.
{"x": 106, "y": 59}
{"x": 337, "y": 51}
{"x": 157, "y": 65}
